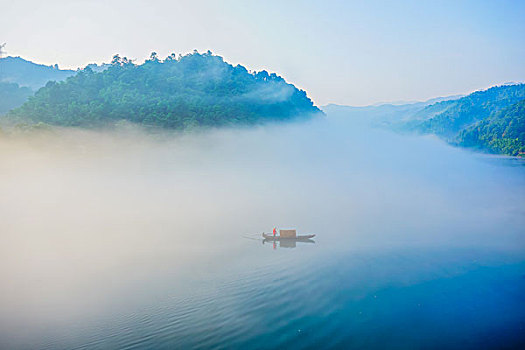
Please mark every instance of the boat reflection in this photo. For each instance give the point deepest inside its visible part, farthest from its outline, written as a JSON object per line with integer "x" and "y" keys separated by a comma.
{"x": 287, "y": 243}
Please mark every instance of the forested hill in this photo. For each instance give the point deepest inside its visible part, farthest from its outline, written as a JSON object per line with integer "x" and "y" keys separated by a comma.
{"x": 490, "y": 120}
{"x": 448, "y": 118}
{"x": 29, "y": 74}
{"x": 177, "y": 92}
{"x": 503, "y": 132}
{"x": 12, "y": 95}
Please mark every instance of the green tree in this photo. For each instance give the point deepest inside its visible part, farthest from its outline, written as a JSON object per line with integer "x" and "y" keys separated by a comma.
{"x": 178, "y": 92}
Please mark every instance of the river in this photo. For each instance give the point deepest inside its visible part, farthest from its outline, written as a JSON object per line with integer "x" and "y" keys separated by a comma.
{"x": 127, "y": 240}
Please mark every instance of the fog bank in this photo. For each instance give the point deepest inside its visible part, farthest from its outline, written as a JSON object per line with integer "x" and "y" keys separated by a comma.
{"x": 93, "y": 216}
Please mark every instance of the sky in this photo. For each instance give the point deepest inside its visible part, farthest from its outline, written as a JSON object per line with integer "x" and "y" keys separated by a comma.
{"x": 344, "y": 52}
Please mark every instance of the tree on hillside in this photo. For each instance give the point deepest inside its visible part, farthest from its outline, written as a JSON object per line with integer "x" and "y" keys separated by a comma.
{"x": 177, "y": 92}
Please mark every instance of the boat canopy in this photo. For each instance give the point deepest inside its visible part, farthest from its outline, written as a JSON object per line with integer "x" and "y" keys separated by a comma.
{"x": 288, "y": 233}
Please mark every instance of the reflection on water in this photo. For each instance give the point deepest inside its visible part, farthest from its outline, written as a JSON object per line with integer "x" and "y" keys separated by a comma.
{"x": 129, "y": 241}
{"x": 287, "y": 243}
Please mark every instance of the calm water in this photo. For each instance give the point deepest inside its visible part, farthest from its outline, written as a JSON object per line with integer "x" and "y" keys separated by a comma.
{"x": 129, "y": 241}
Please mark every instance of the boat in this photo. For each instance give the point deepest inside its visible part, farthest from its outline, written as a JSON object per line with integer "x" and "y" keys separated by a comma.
{"x": 270, "y": 237}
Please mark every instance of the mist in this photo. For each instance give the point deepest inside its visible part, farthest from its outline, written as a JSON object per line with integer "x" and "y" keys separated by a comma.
{"x": 103, "y": 231}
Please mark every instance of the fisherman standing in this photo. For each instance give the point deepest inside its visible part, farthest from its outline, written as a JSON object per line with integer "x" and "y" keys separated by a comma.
{"x": 274, "y": 231}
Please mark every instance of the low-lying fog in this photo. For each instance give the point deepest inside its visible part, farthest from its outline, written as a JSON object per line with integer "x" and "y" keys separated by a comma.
{"x": 101, "y": 228}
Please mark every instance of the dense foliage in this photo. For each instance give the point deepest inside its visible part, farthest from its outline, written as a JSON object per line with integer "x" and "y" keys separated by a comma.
{"x": 503, "y": 132}
{"x": 26, "y": 73}
{"x": 178, "y": 92}
{"x": 12, "y": 95}
{"x": 449, "y": 118}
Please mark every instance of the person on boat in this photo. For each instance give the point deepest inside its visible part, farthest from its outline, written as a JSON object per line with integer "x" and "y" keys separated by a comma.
{"x": 274, "y": 231}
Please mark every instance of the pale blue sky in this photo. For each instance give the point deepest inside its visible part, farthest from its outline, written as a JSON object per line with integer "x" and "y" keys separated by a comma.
{"x": 346, "y": 52}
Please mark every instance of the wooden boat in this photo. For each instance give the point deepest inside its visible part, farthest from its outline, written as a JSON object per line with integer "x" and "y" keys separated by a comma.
{"x": 270, "y": 237}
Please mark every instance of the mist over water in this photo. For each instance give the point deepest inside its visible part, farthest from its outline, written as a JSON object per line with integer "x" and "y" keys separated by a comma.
{"x": 124, "y": 239}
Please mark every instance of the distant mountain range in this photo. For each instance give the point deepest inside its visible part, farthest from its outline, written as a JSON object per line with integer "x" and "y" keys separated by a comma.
{"x": 29, "y": 74}
{"x": 430, "y": 101}
{"x": 20, "y": 78}
{"x": 490, "y": 120}
{"x": 383, "y": 114}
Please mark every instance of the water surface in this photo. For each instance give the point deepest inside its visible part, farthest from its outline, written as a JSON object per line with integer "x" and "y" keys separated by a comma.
{"x": 127, "y": 240}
